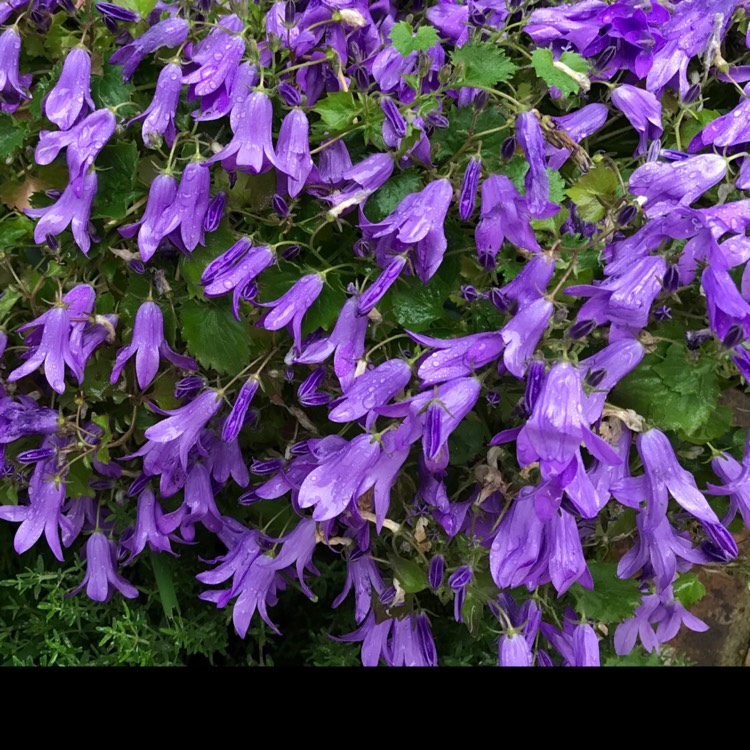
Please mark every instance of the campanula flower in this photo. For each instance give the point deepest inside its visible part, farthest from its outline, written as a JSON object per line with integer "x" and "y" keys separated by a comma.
{"x": 158, "y": 117}
{"x": 643, "y": 110}
{"x": 171, "y": 32}
{"x": 102, "y": 578}
{"x": 71, "y": 95}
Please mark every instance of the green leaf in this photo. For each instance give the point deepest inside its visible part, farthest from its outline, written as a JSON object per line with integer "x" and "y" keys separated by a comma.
{"x": 410, "y": 575}
{"x": 611, "y": 600}
{"x": 466, "y": 121}
{"x": 214, "y": 337}
{"x": 676, "y": 391}
{"x": 8, "y": 300}
{"x": 116, "y": 168}
{"x": 77, "y": 481}
{"x": 416, "y": 306}
{"x": 13, "y": 134}
{"x": 103, "y": 452}
{"x": 545, "y": 68}
{"x": 482, "y": 64}
{"x": 142, "y": 7}
{"x": 338, "y": 110}
{"x": 162, "y": 567}
{"x": 691, "y": 126}
{"x": 637, "y": 658}
{"x": 324, "y": 312}
{"x": 467, "y": 441}
{"x": 15, "y": 228}
{"x": 109, "y": 90}
{"x": 406, "y": 41}
{"x": 688, "y": 589}
{"x": 387, "y": 198}
{"x": 592, "y": 192}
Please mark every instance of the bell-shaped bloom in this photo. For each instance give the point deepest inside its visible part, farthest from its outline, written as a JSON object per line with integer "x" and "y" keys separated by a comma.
{"x": 14, "y": 87}
{"x": 377, "y": 290}
{"x": 296, "y": 549}
{"x": 576, "y": 126}
{"x": 183, "y": 425}
{"x": 504, "y": 215}
{"x": 72, "y": 93}
{"x": 334, "y": 483}
{"x": 731, "y": 129}
{"x": 158, "y": 117}
{"x": 363, "y": 576}
{"x": 116, "y": 13}
{"x": 200, "y": 504}
{"x": 664, "y": 611}
{"x": 293, "y": 150}
{"x": 515, "y": 648}
{"x": 23, "y": 417}
{"x": 290, "y": 308}
{"x": 359, "y": 181}
{"x": 667, "y": 186}
{"x": 576, "y": 643}
{"x": 557, "y": 425}
{"x": 417, "y": 222}
{"x": 736, "y": 484}
{"x": 236, "y": 270}
{"x": 643, "y": 111}
{"x": 469, "y": 187}
{"x": 522, "y": 333}
{"x": 251, "y": 148}
{"x": 153, "y": 528}
{"x": 458, "y": 357}
{"x": 171, "y": 32}
{"x": 73, "y": 208}
{"x": 530, "y": 138}
{"x": 150, "y": 228}
{"x": 102, "y": 579}
{"x": 148, "y": 345}
{"x": 373, "y": 388}
{"x": 664, "y": 476}
{"x": 183, "y": 221}
{"x": 726, "y": 306}
{"x": 43, "y": 513}
{"x": 217, "y": 57}
{"x": 624, "y": 299}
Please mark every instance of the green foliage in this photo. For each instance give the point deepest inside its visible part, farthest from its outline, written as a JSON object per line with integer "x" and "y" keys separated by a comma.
{"x": 406, "y": 41}
{"x": 338, "y": 110}
{"x": 592, "y": 192}
{"x": 482, "y": 64}
{"x": 116, "y": 168}
{"x": 213, "y": 335}
{"x": 411, "y": 576}
{"x": 13, "y": 135}
{"x": 557, "y": 75}
{"x": 386, "y": 199}
{"x": 689, "y": 589}
{"x": 611, "y": 600}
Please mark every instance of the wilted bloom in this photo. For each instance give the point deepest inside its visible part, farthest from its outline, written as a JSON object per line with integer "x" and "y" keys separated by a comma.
{"x": 101, "y": 577}
{"x": 13, "y": 85}
{"x": 161, "y": 195}
{"x": 668, "y": 186}
{"x": 417, "y": 222}
{"x": 72, "y": 92}
{"x": 183, "y": 221}
{"x": 148, "y": 344}
{"x": 291, "y": 307}
{"x": 158, "y": 117}
{"x": 171, "y": 32}
{"x": 643, "y": 110}
{"x": 72, "y": 208}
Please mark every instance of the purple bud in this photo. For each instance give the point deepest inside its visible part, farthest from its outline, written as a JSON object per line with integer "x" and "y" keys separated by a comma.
{"x": 734, "y": 337}
{"x": 595, "y": 377}
{"x": 138, "y": 485}
{"x": 671, "y": 282}
{"x": 270, "y": 466}
{"x": 437, "y": 120}
{"x": 52, "y": 242}
{"x": 235, "y": 420}
{"x": 653, "y": 150}
{"x": 280, "y": 206}
{"x": 691, "y": 94}
{"x": 290, "y": 13}
{"x": 581, "y": 329}
{"x": 137, "y": 266}
{"x": 626, "y": 215}
{"x": 508, "y": 148}
{"x": 361, "y": 248}
{"x": 696, "y": 338}
{"x": 308, "y": 391}
{"x": 393, "y": 116}
{"x": 388, "y": 596}
{"x": 467, "y": 199}
{"x": 469, "y": 293}
{"x": 116, "y": 13}
{"x": 289, "y": 374}
{"x": 215, "y": 212}
{"x": 300, "y": 448}
{"x": 499, "y": 300}
{"x": 34, "y": 455}
{"x": 188, "y": 387}
{"x": 436, "y": 572}
{"x": 289, "y": 95}
{"x": 535, "y": 380}
{"x": 461, "y": 578}
{"x": 480, "y": 99}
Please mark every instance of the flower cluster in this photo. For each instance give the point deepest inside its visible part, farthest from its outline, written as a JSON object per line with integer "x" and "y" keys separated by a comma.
{"x": 443, "y": 303}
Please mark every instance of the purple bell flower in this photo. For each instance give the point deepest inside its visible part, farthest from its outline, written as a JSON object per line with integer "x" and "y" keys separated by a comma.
{"x": 148, "y": 344}
{"x": 293, "y": 151}
{"x": 72, "y": 93}
{"x": 530, "y": 138}
{"x": 183, "y": 221}
{"x": 14, "y": 87}
{"x": 171, "y": 32}
{"x": 158, "y": 117}
{"x": 101, "y": 577}
{"x": 643, "y": 111}
{"x": 469, "y": 188}
{"x": 235, "y": 420}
